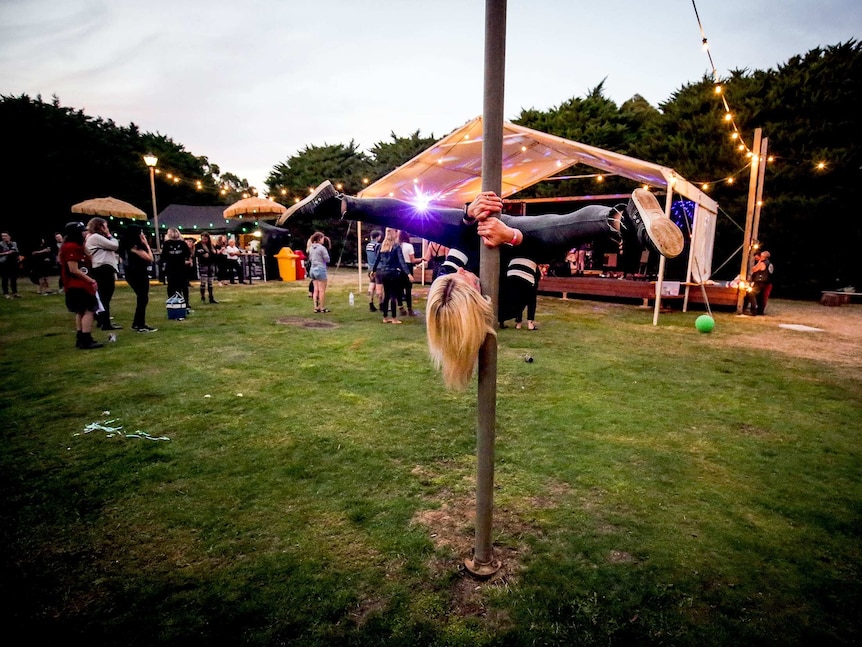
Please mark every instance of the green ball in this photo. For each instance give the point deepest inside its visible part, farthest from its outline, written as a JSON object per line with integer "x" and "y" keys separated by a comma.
{"x": 704, "y": 323}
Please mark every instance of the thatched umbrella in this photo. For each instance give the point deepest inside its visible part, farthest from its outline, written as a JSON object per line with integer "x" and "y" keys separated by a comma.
{"x": 254, "y": 208}
{"x": 108, "y": 207}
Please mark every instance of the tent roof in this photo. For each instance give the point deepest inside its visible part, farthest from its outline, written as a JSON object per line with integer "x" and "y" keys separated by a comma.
{"x": 195, "y": 218}
{"x": 449, "y": 172}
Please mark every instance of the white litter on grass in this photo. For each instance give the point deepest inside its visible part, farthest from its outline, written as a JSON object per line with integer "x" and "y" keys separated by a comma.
{"x": 239, "y": 395}
{"x": 800, "y": 328}
{"x": 110, "y": 431}
{"x": 207, "y": 395}
{"x": 146, "y": 436}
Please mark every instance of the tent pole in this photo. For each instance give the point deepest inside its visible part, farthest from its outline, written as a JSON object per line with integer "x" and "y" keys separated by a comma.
{"x": 482, "y": 563}
{"x": 661, "y": 260}
{"x": 359, "y": 256}
{"x": 691, "y": 252}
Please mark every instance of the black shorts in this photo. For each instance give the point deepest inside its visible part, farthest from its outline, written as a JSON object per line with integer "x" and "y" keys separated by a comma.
{"x": 80, "y": 301}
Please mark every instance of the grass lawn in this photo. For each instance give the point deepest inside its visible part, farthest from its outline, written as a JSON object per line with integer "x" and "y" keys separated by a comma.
{"x": 653, "y": 485}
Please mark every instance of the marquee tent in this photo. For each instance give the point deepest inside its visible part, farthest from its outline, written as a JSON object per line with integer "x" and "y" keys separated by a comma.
{"x": 449, "y": 173}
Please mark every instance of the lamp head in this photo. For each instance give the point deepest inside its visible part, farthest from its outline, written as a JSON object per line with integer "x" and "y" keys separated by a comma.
{"x": 150, "y": 160}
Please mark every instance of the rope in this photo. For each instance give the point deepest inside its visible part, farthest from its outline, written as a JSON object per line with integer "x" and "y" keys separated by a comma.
{"x": 344, "y": 243}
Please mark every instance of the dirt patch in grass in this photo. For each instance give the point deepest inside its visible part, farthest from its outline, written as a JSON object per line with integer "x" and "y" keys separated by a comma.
{"x": 838, "y": 340}
{"x": 305, "y": 322}
{"x": 451, "y": 527}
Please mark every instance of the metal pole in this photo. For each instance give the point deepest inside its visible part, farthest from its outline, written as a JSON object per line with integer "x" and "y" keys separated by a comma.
{"x": 482, "y": 563}
{"x": 360, "y": 252}
{"x": 662, "y": 261}
{"x": 155, "y": 210}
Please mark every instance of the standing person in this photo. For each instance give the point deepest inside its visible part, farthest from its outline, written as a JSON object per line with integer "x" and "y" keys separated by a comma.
{"x": 41, "y": 263}
{"x": 761, "y": 281}
{"x": 176, "y": 258}
{"x": 318, "y": 257}
{"x": 234, "y": 267}
{"x": 138, "y": 258}
{"x": 80, "y": 287}
{"x": 434, "y": 257}
{"x": 9, "y": 254}
{"x": 221, "y": 259}
{"x": 58, "y": 243}
{"x": 767, "y": 289}
{"x": 207, "y": 258}
{"x": 191, "y": 271}
{"x": 392, "y": 268}
{"x": 102, "y": 248}
{"x": 409, "y": 253}
{"x": 374, "y": 288}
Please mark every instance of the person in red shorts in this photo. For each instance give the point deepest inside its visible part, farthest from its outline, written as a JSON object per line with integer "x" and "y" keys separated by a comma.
{"x": 79, "y": 286}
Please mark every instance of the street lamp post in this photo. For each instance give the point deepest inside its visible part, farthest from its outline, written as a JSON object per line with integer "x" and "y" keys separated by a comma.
{"x": 151, "y": 160}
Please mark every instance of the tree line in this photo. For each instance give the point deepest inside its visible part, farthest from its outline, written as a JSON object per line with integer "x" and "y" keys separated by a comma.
{"x": 807, "y": 107}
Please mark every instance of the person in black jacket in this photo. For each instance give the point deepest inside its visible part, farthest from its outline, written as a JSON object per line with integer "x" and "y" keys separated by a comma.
{"x": 392, "y": 270}
{"x": 176, "y": 259}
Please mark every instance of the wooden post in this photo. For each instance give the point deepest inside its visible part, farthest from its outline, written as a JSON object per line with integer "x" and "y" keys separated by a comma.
{"x": 749, "y": 218}
{"x": 482, "y": 563}
{"x": 755, "y": 226}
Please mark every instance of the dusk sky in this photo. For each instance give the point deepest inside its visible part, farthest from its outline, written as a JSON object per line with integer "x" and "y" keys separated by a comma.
{"x": 250, "y": 83}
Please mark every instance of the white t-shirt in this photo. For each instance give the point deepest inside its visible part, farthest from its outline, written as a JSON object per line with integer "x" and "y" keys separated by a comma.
{"x": 407, "y": 250}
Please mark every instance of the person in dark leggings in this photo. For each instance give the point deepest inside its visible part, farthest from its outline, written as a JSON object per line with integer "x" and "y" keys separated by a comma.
{"x": 138, "y": 258}
{"x": 392, "y": 270}
{"x": 641, "y": 222}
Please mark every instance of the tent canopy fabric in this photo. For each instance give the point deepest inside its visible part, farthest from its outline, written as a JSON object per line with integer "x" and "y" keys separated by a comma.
{"x": 449, "y": 172}
{"x": 187, "y": 217}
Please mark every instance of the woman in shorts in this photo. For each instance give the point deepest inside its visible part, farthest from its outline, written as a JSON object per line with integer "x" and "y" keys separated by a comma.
{"x": 79, "y": 286}
{"x": 318, "y": 257}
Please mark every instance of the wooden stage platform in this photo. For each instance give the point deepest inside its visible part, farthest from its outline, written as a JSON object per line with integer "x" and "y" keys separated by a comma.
{"x": 627, "y": 289}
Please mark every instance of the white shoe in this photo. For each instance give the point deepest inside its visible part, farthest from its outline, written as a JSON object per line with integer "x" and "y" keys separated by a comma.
{"x": 654, "y": 230}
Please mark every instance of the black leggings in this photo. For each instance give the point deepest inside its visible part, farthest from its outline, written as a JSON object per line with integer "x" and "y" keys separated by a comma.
{"x": 140, "y": 283}
{"x": 391, "y": 290}
{"x": 106, "y": 281}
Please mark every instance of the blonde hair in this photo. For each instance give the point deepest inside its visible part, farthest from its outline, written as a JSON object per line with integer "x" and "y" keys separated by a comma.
{"x": 391, "y": 240}
{"x": 173, "y": 234}
{"x": 458, "y": 318}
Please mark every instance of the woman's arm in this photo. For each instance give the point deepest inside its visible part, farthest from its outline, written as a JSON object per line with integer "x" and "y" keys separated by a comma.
{"x": 146, "y": 253}
{"x": 402, "y": 263}
{"x": 495, "y": 232}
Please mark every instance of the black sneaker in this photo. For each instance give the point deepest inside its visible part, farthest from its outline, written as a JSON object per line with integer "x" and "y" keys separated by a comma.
{"x": 144, "y": 328}
{"x": 323, "y": 201}
{"x": 112, "y": 326}
{"x": 645, "y": 218}
{"x": 371, "y": 307}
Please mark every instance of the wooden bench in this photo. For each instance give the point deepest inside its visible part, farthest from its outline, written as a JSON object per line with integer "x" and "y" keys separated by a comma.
{"x": 586, "y": 286}
{"x": 837, "y": 297}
